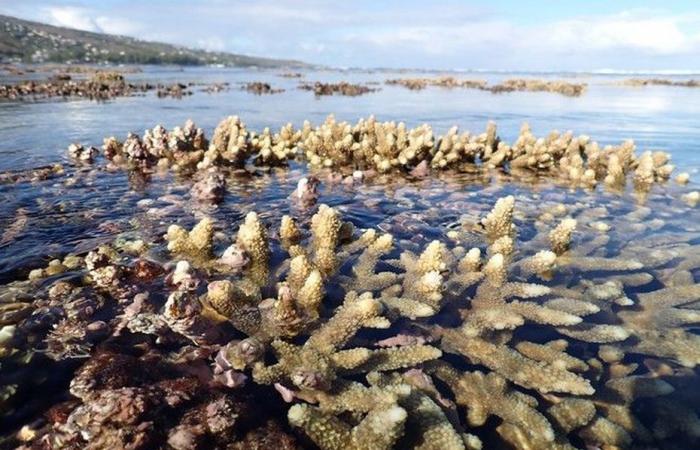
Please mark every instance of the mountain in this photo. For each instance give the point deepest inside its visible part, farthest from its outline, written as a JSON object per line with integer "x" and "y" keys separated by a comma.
{"x": 26, "y": 41}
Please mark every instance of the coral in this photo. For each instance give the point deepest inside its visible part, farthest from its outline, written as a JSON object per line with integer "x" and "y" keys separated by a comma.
{"x": 659, "y": 324}
{"x": 590, "y": 343}
{"x": 499, "y": 222}
{"x": 210, "y": 189}
{"x": 425, "y": 416}
{"x": 509, "y": 85}
{"x": 365, "y": 276}
{"x": 196, "y": 243}
{"x": 230, "y": 142}
{"x": 560, "y": 237}
{"x": 289, "y": 231}
{"x": 541, "y": 375}
{"x": 327, "y": 230}
{"x": 489, "y": 394}
{"x": 252, "y": 238}
{"x": 260, "y": 88}
{"x": 315, "y": 365}
{"x": 77, "y": 151}
{"x": 341, "y": 88}
{"x": 380, "y": 428}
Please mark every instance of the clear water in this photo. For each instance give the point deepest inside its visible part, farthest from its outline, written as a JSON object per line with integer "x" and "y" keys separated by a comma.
{"x": 92, "y": 205}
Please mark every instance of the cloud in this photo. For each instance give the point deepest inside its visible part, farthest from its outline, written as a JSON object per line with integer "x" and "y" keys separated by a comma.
{"x": 399, "y": 33}
{"x": 625, "y": 31}
{"x": 86, "y": 19}
{"x": 71, "y": 17}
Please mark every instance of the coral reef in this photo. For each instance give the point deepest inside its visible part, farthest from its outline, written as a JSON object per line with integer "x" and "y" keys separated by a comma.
{"x": 518, "y": 314}
{"x": 260, "y": 88}
{"x": 509, "y": 85}
{"x": 98, "y": 85}
{"x": 639, "y": 82}
{"x": 417, "y": 84}
{"x": 370, "y": 146}
{"x": 341, "y": 88}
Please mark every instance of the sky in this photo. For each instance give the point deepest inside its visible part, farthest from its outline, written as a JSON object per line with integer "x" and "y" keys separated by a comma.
{"x": 536, "y": 35}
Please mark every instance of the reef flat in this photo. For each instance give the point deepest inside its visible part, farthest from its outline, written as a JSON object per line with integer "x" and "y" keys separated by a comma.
{"x": 100, "y": 85}
{"x": 567, "y": 88}
{"x": 640, "y": 82}
{"x": 352, "y": 285}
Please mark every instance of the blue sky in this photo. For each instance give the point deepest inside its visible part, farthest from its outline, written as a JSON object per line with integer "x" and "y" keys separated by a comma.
{"x": 467, "y": 34}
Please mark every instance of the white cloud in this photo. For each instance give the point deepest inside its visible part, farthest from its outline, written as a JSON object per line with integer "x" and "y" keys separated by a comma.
{"x": 662, "y": 35}
{"x": 71, "y": 17}
{"x": 447, "y": 34}
{"x": 657, "y": 35}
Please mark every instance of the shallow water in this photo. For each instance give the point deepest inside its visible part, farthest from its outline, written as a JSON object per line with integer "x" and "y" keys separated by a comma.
{"x": 92, "y": 205}
{"x": 655, "y": 117}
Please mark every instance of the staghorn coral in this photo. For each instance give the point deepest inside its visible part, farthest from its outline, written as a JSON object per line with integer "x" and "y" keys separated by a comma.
{"x": 541, "y": 375}
{"x": 659, "y": 324}
{"x": 425, "y": 416}
{"x": 252, "y": 238}
{"x": 489, "y": 394}
{"x": 576, "y": 363}
{"x": 364, "y": 270}
{"x": 196, "y": 243}
{"x": 229, "y": 143}
{"x": 380, "y": 429}
{"x": 328, "y": 230}
{"x": 560, "y": 237}
{"x": 289, "y": 231}
{"x": 499, "y": 222}
{"x": 316, "y": 365}
{"x": 390, "y": 146}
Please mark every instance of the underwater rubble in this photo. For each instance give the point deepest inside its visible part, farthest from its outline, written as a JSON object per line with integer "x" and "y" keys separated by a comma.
{"x": 531, "y": 322}
{"x": 510, "y": 85}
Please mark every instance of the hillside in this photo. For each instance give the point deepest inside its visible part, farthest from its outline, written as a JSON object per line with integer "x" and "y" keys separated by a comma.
{"x": 26, "y": 41}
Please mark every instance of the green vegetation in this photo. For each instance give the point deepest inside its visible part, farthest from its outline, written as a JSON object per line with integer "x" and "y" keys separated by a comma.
{"x": 25, "y": 41}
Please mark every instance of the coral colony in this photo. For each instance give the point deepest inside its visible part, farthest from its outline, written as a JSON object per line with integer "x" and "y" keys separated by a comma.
{"x": 536, "y": 325}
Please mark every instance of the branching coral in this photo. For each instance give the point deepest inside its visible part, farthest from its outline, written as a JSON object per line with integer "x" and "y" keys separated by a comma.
{"x": 489, "y": 394}
{"x": 196, "y": 243}
{"x": 390, "y": 146}
{"x": 659, "y": 324}
{"x": 379, "y": 430}
{"x": 315, "y": 365}
{"x": 542, "y": 344}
